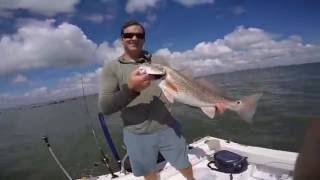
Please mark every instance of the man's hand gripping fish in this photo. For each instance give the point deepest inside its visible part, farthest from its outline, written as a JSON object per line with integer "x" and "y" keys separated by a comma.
{"x": 177, "y": 87}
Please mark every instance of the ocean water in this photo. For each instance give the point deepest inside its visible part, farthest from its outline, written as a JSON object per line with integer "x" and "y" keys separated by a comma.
{"x": 290, "y": 101}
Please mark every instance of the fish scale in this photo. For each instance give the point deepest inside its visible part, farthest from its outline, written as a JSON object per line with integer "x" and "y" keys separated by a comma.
{"x": 187, "y": 85}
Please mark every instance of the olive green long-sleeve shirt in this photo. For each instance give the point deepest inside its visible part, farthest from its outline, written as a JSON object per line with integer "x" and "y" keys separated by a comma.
{"x": 142, "y": 113}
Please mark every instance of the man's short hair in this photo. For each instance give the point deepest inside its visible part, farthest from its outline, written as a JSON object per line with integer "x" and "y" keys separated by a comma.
{"x": 131, "y": 23}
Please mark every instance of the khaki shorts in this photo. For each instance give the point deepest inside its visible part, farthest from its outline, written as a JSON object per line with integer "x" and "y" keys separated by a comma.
{"x": 143, "y": 150}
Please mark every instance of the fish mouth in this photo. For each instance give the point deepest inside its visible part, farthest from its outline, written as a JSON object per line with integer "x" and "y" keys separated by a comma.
{"x": 158, "y": 72}
{"x": 158, "y": 76}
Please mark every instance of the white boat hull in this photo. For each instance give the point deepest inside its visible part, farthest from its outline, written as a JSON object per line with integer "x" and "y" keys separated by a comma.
{"x": 264, "y": 163}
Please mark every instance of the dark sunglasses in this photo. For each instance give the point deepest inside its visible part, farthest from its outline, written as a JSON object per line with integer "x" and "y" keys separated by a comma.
{"x": 130, "y": 35}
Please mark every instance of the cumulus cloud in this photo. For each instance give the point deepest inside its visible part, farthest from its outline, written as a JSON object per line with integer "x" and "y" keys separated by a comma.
{"x": 190, "y": 3}
{"x": 140, "y": 5}
{"x": 20, "y": 79}
{"x": 145, "y": 6}
{"x": 107, "y": 52}
{"x": 43, "y": 7}
{"x": 36, "y": 93}
{"x": 150, "y": 19}
{"x": 96, "y": 18}
{"x": 72, "y": 86}
{"x": 99, "y": 18}
{"x": 40, "y": 44}
{"x": 244, "y": 48}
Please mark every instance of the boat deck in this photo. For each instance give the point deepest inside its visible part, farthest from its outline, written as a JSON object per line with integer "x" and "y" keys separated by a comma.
{"x": 264, "y": 163}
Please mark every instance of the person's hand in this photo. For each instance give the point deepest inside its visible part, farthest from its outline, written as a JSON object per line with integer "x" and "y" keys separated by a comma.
{"x": 220, "y": 107}
{"x": 138, "y": 82}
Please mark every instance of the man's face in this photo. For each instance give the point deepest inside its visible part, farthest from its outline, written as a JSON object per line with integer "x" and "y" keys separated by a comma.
{"x": 132, "y": 39}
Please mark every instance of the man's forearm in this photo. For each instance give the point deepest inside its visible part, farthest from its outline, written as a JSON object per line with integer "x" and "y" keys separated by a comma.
{"x": 113, "y": 102}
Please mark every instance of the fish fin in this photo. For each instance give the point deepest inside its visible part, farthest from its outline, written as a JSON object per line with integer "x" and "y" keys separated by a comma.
{"x": 246, "y": 107}
{"x": 169, "y": 96}
{"x": 209, "y": 111}
{"x": 212, "y": 87}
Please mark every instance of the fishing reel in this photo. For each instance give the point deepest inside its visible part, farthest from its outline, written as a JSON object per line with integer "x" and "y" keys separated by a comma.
{"x": 106, "y": 162}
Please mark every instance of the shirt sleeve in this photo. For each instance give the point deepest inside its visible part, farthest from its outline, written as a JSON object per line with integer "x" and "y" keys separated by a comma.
{"x": 112, "y": 98}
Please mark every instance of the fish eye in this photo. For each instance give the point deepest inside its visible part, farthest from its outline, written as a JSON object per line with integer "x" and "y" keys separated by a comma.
{"x": 238, "y": 102}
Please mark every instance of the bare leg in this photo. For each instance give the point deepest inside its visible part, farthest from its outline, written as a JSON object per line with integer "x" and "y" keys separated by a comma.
{"x": 187, "y": 173}
{"x": 151, "y": 176}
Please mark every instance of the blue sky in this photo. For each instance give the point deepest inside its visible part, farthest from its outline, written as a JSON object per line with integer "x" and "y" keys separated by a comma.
{"x": 46, "y": 46}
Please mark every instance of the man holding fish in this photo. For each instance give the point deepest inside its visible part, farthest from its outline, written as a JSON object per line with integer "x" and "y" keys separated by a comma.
{"x": 130, "y": 85}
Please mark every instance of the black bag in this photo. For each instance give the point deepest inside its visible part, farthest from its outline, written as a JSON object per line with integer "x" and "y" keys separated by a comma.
{"x": 228, "y": 162}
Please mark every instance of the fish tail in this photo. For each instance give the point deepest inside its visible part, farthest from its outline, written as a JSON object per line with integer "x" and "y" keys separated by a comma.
{"x": 246, "y": 107}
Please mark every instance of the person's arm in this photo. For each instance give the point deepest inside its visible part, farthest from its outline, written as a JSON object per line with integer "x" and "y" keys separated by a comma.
{"x": 112, "y": 98}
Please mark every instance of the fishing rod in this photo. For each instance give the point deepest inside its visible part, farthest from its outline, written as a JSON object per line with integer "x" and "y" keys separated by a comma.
{"x": 105, "y": 160}
{"x": 109, "y": 139}
{"x": 46, "y": 140}
{"x": 89, "y": 117}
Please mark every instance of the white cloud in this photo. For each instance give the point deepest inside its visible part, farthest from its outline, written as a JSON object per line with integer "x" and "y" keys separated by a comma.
{"x": 244, "y": 38}
{"x": 20, "y": 79}
{"x": 150, "y": 18}
{"x": 66, "y": 88}
{"x": 39, "y": 44}
{"x": 99, "y": 18}
{"x": 140, "y": 5}
{"x": 72, "y": 86}
{"x": 244, "y": 48}
{"x": 238, "y": 10}
{"x": 96, "y": 18}
{"x": 106, "y": 52}
{"x": 190, "y": 3}
{"x": 37, "y": 93}
{"x": 149, "y": 6}
{"x": 44, "y": 7}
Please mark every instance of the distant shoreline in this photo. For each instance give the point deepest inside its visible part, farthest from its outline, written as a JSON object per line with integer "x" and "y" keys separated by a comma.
{"x": 42, "y": 104}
